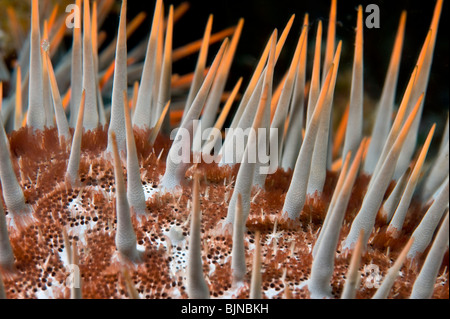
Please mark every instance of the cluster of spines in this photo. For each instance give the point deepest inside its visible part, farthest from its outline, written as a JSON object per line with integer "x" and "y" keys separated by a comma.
{"x": 309, "y": 158}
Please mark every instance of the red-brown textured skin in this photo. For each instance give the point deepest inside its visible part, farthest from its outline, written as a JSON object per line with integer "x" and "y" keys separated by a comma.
{"x": 38, "y": 266}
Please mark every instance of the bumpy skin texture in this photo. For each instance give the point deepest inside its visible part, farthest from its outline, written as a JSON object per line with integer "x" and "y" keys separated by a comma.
{"x": 82, "y": 224}
{"x": 42, "y": 269}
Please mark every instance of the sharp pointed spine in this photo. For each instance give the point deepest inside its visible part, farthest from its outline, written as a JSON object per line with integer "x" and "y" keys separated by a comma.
{"x": 11, "y": 189}
{"x": 353, "y": 275}
{"x": 293, "y": 139}
{"x": 2, "y": 288}
{"x": 330, "y": 45}
{"x": 75, "y": 151}
{"x": 391, "y": 203}
{"x": 47, "y": 100}
{"x": 244, "y": 178}
{"x": 158, "y": 67}
{"x": 264, "y": 157}
{"x": 381, "y": 127}
{"x": 437, "y": 174}
{"x": 318, "y": 174}
{"x": 200, "y": 67}
{"x": 135, "y": 192}
{"x": 94, "y": 31}
{"x": 175, "y": 171}
{"x": 251, "y": 105}
{"x": 214, "y": 136}
{"x": 424, "y": 232}
{"x": 281, "y": 111}
{"x": 90, "y": 121}
{"x": 6, "y": 252}
{"x": 238, "y": 264}
{"x": 314, "y": 90}
{"x": 256, "y": 280}
{"x": 142, "y": 114}
{"x": 61, "y": 119}
{"x": 323, "y": 263}
{"x": 213, "y": 101}
{"x": 396, "y": 126}
{"x": 75, "y": 290}
{"x": 156, "y": 129}
{"x": 353, "y": 134}
{"x": 125, "y": 239}
{"x": 296, "y": 194}
{"x": 334, "y": 198}
{"x": 396, "y": 223}
{"x": 424, "y": 285}
{"x": 365, "y": 219}
{"x": 166, "y": 74}
{"x": 19, "y": 107}
{"x": 36, "y": 113}
{"x": 118, "y": 108}
{"x": 256, "y": 80}
{"x": 445, "y": 137}
{"x": 244, "y": 124}
{"x": 131, "y": 289}
{"x": 197, "y": 288}
{"x": 420, "y": 88}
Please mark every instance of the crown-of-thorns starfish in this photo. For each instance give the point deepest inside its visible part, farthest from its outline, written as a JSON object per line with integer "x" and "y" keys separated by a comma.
{"x": 91, "y": 137}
